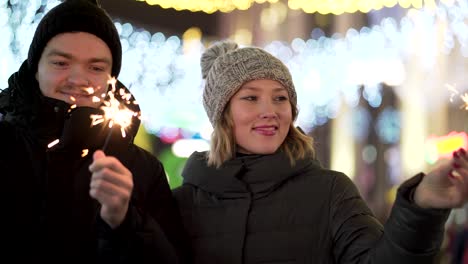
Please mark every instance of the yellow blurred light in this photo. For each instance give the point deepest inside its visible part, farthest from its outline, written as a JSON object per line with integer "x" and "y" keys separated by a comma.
{"x": 391, "y": 195}
{"x": 430, "y": 4}
{"x": 378, "y": 6}
{"x": 405, "y": 3}
{"x": 440, "y": 147}
{"x": 389, "y": 3}
{"x": 144, "y": 139}
{"x": 191, "y": 40}
{"x": 273, "y": 16}
{"x": 293, "y": 5}
{"x": 243, "y": 37}
{"x": 242, "y": 4}
{"x": 365, "y": 7}
{"x": 308, "y": 6}
{"x": 343, "y": 153}
{"x": 193, "y": 33}
{"x": 417, "y": 3}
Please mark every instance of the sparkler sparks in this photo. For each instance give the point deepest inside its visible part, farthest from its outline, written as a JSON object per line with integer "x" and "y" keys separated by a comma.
{"x": 464, "y": 97}
{"x": 115, "y": 112}
{"x": 455, "y": 93}
{"x": 89, "y": 91}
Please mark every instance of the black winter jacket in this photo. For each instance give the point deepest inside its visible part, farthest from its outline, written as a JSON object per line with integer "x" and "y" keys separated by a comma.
{"x": 48, "y": 215}
{"x": 260, "y": 209}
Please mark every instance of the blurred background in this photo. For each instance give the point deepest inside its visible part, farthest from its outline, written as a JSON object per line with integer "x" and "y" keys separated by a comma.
{"x": 381, "y": 83}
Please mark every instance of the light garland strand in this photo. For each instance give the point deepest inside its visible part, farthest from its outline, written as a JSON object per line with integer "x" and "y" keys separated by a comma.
{"x": 309, "y": 6}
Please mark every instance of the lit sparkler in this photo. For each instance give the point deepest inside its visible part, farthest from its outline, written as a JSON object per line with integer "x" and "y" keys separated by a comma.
{"x": 115, "y": 112}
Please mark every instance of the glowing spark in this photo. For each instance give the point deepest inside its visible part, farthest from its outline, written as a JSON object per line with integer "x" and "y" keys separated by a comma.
{"x": 73, "y": 106}
{"x": 453, "y": 91}
{"x": 53, "y": 143}
{"x": 96, "y": 99}
{"x": 89, "y": 90}
{"x": 84, "y": 153}
{"x": 97, "y": 119}
{"x": 464, "y": 97}
{"x": 73, "y": 98}
{"x": 112, "y": 81}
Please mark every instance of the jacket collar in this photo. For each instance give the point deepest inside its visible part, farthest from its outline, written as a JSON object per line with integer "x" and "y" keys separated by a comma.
{"x": 255, "y": 175}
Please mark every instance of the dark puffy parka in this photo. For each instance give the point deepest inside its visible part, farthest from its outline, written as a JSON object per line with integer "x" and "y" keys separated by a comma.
{"x": 261, "y": 209}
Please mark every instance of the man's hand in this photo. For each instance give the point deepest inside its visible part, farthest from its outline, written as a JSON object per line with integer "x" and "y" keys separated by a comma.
{"x": 112, "y": 185}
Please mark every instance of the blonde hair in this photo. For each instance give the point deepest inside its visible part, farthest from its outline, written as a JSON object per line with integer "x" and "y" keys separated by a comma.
{"x": 296, "y": 145}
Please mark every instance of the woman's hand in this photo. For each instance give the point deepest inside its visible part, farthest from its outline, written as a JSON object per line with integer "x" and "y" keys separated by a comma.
{"x": 447, "y": 185}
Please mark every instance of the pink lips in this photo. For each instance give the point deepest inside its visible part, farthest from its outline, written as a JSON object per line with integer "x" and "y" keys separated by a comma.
{"x": 266, "y": 130}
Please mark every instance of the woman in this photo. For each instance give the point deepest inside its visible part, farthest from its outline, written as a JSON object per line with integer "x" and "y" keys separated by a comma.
{"x": 258, "y": 195}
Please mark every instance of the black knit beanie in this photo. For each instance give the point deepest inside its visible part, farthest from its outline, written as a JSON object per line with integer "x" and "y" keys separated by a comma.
{"x": 76, "y": 16}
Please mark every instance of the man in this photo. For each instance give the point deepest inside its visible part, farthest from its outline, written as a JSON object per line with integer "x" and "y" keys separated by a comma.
{"x": 60, "y": 203}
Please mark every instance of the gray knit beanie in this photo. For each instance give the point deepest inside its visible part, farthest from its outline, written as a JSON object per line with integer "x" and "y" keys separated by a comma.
{"x": 225, "y": 68}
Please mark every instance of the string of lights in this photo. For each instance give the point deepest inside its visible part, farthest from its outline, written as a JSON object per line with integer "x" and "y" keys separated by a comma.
{"x": 309, "y": 6}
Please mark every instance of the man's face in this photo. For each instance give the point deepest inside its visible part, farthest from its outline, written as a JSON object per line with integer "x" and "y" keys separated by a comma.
{"x": 75, "y": 68}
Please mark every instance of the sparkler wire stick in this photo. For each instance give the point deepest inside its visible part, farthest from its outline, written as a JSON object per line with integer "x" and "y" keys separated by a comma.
{"x": 106, "y": 142}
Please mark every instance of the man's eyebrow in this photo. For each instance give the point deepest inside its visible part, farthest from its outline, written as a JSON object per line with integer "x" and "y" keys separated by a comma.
{"x": 104, "y": 60}
{"x": 55, "y": 52}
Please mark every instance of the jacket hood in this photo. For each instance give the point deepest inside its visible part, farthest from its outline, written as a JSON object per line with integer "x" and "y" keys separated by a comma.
{"x": 242, "y": 176}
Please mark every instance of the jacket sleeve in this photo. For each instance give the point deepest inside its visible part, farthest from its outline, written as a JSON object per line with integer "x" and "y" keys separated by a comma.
{"x": 410, "y": 235}
{"x": 152, "y": 231}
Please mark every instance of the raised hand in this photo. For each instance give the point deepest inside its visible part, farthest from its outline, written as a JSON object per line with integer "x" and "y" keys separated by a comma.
{"x": 447, "y": 185}
{"x": 112, "y": 185}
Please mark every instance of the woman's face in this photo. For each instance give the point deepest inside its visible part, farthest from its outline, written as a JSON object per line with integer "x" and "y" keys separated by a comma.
{"x": 261, "y": 114}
